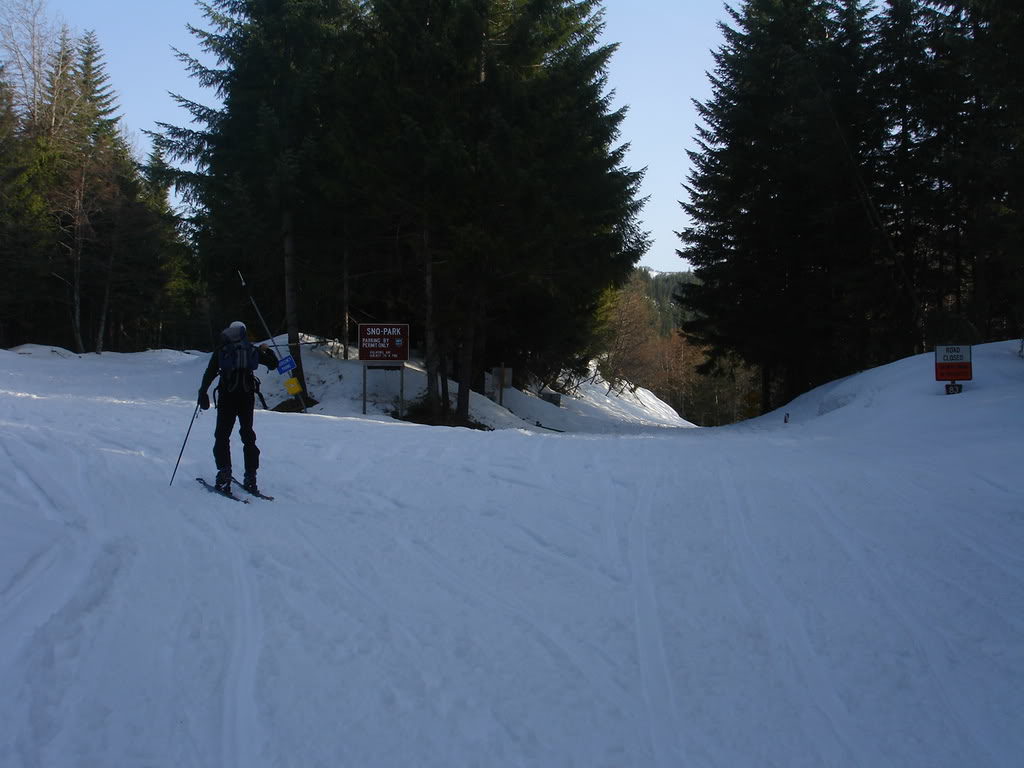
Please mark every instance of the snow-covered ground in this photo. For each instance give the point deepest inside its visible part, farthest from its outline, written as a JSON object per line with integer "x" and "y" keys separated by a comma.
{"x": 845, "y": 589}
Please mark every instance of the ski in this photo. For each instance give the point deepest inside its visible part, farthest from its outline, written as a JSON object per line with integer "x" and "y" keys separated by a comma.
{"x": 213, "y": 489}
{"x": 257, "y": 494}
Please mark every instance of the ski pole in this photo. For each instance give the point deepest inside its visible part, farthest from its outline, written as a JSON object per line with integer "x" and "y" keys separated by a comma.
{"x": 196, "y": 413}
{"x": 258, "y": 313}
{"x": 301, "y": 399}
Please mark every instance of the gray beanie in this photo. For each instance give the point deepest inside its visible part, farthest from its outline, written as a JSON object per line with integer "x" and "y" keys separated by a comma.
{"x": 235, "y": 331}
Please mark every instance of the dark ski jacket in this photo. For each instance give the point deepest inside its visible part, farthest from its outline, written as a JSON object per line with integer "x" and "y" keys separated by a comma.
{"x": 240, "y": 381}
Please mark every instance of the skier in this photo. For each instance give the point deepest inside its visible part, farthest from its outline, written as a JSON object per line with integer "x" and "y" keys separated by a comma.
{"x": 235, "y": 360}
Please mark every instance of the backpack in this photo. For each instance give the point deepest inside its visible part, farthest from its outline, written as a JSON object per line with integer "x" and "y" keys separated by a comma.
{"x": 237, "y": 359}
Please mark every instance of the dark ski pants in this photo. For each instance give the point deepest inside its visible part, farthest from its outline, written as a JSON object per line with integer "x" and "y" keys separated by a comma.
{"x": 231, "y": 406}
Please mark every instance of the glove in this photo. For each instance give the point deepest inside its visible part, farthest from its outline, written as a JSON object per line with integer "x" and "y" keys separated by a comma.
{"x": 268, "y": 358}
{"x": 204, "y": 400}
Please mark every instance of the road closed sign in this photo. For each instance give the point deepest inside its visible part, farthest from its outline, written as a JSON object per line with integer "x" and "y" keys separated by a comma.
{"x": 953, "y": 363}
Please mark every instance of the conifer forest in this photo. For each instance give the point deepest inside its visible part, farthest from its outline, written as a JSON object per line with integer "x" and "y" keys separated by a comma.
{"x": 855, "y": 194}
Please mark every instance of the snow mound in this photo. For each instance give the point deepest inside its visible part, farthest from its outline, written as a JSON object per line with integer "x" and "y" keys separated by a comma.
{"x": 338, "y": 385}
{"x": 904, "y": 395}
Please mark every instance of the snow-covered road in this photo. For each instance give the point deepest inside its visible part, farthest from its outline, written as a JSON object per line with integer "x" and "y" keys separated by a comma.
{"x": 843, "y": 590}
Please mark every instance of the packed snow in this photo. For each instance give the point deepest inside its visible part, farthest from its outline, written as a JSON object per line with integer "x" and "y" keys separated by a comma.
{"x": 844, "y": 587}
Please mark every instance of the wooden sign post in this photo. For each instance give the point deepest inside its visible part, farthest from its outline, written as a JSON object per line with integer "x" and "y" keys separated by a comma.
{"x": 384, "y": 346}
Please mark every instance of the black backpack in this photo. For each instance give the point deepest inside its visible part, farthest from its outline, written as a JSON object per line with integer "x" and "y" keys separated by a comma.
{"x": 238, "y": 359}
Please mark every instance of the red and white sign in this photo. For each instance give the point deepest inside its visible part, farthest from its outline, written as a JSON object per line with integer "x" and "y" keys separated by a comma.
{"x": 384, "y": 342}
{"x": 953, "y": 363}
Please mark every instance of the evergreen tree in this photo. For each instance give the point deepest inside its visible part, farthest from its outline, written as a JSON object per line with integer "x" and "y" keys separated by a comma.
{"x": 905, "y": 78}
{"x": 96, "y": 102}
{"x": 180, "y": 317}
{"x": 60, "y": 99}
{"x": 107, "y": 255}
{"x": 72, "y": 208}
{"x": 424, "y": 64}
{"x": 777, "y": 171}
{"x": 1002, "y": 28}
{"x": 953, "y": 176}
{"x": 979, "y": 142}
{"x": 947, "y": 136}
{"x": 450, "y": 162}
{"x": 566, "y": 204}
{"x": 511, "y": 182}
{"x": 257, "y": 156}
{"x": 24, "y": 229}
{"x": 856, "y": 189}
{"x": 8, "y": 124}
{"x": 858, "y": 309}
{"x": 87, "y": 156}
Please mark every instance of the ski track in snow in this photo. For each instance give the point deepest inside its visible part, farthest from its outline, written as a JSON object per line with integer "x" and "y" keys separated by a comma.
{"x": 930, "y": 645}
{"x": 47, "y": 662}
{"x": 797, "y": 655}
{"x": 241, "y": 727}
{"x": 663, "y": 717}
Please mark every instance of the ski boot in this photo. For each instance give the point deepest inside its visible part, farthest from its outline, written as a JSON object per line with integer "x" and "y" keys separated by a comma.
{"x": 223, "y": 482}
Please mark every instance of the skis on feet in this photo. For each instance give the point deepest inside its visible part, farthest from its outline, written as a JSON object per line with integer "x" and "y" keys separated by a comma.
{"x": 214, "y": 489}
{"x": 255, "y": 493}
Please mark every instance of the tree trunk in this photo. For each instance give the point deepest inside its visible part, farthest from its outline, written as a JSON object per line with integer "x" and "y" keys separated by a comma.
{"x": 291, "y": 304}
{"x": 105, "y": 306}
{"x": 446, "y": 401}
{"x": 465, "y": 370}
{"x": 766, "y": 389}
{"x": 77, "y": 246}
{"x": 430, "y": 337}
{"x": 344, "y": 302}
{"x": 471, "y": 351}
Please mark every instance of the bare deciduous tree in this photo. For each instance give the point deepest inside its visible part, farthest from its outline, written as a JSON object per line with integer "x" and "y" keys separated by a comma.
{"x": 27, "y": 44}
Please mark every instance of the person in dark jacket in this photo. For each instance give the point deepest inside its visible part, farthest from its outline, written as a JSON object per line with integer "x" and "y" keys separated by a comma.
{"x": 235, "y": 360}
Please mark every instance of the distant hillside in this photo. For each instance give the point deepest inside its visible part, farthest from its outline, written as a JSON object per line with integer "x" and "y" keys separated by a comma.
{"x": 660, "y": 287}
{"x": 662, "y": 359}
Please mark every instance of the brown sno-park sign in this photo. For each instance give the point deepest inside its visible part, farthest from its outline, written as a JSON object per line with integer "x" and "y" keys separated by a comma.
{"x": 384, "y": 342}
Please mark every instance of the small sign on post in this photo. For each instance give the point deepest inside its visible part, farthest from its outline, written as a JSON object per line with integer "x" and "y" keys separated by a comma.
{"x": 286, "y": 364}
{"x": 953, "y": 364}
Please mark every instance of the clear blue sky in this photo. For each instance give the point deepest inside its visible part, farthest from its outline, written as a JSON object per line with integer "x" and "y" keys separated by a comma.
{"x": 664, "y": 53}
